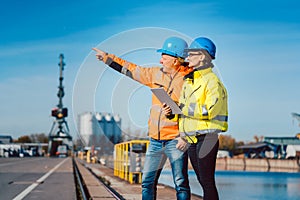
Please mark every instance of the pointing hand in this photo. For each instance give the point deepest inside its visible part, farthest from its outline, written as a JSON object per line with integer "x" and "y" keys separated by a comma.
{"x": 99, "y": 54}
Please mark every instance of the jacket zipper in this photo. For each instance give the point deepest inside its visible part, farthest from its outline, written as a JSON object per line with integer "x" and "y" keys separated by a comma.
{"x": 185, "y": 117}
{"x": 160, "y": 112}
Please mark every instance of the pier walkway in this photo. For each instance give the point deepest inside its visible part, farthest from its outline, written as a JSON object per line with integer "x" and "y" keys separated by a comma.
{"x": 124, "y": 188}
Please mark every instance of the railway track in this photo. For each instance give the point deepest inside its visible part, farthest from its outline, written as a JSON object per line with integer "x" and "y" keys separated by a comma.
{"x": 82, "y": 186}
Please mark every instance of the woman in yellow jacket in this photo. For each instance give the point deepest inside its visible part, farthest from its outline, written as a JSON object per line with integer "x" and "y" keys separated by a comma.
{"x": 203, "y": 102}
{"x": 162, "y": 131}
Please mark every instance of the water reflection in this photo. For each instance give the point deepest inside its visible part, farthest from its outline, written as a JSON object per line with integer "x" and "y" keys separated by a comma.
{"x": 247, "y": 185}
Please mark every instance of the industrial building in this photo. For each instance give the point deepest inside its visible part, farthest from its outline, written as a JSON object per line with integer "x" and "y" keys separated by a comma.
{"x": 100, "y": 130}
{"x": 273, "y": 147}
{"x": 5, "y": 139}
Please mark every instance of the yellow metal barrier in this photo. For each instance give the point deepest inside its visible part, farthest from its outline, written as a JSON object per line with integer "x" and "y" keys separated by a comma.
{"x": 128, "y": 161}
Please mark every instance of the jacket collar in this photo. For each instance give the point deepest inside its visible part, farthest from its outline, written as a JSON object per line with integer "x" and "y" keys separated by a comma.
{"x": 198, "y": 72}
{"x": 183, "y": 69}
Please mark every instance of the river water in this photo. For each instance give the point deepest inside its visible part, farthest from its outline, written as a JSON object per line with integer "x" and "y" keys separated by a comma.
{"x": 246, "y": 185}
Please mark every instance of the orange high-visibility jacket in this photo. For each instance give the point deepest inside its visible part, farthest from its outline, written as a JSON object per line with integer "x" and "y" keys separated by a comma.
{"x": 159, "y": 127}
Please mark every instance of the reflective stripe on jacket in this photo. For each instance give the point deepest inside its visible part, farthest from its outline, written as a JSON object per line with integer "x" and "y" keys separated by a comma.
{"x": 204, "y": 104}
{"x": 159, "y": 127}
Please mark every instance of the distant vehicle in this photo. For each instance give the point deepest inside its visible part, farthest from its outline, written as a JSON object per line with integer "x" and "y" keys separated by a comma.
{"x": 23, "y": 153}
{"x": 62, "y": 151}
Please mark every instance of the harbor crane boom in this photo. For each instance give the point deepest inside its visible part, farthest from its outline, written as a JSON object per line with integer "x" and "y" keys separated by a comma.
{"x": 297, "y": 117}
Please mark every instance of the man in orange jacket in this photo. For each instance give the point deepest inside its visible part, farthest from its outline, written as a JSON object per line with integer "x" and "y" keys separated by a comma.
{"x": 162, "y": 131}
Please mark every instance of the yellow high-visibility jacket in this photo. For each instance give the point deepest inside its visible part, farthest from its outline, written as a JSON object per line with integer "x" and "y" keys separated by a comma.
{"x": 159, "y": 127}
{"x": 203, "y": 101}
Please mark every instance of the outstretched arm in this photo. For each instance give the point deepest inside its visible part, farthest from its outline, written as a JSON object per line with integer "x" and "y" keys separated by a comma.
{"x": 138, "y": 73}
{"x": 102, "y": 56}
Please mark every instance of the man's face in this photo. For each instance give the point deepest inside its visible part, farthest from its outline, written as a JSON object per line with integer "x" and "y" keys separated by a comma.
{"x": 168, "y": 62}
{"x": 195, "y": 58}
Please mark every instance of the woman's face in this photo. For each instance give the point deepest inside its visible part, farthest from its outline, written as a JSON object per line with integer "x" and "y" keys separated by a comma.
{"x": 195, "y": 58}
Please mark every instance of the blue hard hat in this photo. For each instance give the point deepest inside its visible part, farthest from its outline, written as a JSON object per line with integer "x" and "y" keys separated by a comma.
{"x": 203, "y": 43}
{"x": 174, "y": 46}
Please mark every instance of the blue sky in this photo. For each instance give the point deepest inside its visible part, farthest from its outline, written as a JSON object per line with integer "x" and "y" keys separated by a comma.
{"x": 258, "y": 59}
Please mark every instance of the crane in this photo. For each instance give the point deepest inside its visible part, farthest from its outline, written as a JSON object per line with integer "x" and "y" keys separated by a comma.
{"x": 59, "y": 133}
{"x": 297, "y": 117}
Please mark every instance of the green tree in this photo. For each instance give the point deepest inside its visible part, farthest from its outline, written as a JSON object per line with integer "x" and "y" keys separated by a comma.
{"x": 226, "y": 142}
{"x": 39, "y": 138}
{"x": 24, "y": 139}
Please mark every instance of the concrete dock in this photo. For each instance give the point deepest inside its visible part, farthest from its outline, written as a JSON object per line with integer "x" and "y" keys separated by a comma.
{"x": 124, "y": 188}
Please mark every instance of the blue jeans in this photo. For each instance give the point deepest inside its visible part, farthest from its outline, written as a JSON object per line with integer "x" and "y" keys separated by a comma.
{"x": 156, "y": 156}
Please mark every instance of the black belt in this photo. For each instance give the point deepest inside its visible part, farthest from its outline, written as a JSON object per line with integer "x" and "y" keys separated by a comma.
{"x": 161, "y": 141}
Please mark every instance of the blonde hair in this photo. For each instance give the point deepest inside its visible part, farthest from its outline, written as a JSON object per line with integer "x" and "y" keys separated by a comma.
{"x": 207, "y": 59}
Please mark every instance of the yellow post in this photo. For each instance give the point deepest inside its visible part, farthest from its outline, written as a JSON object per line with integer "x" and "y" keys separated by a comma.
{"x": 88, "y": 156}
{"x": 116, "y": 160}
{"x": 126, "y": 162}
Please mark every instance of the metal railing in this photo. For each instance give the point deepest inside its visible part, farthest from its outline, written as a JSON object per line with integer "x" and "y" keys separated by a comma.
{"x": 128, "y": 160}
